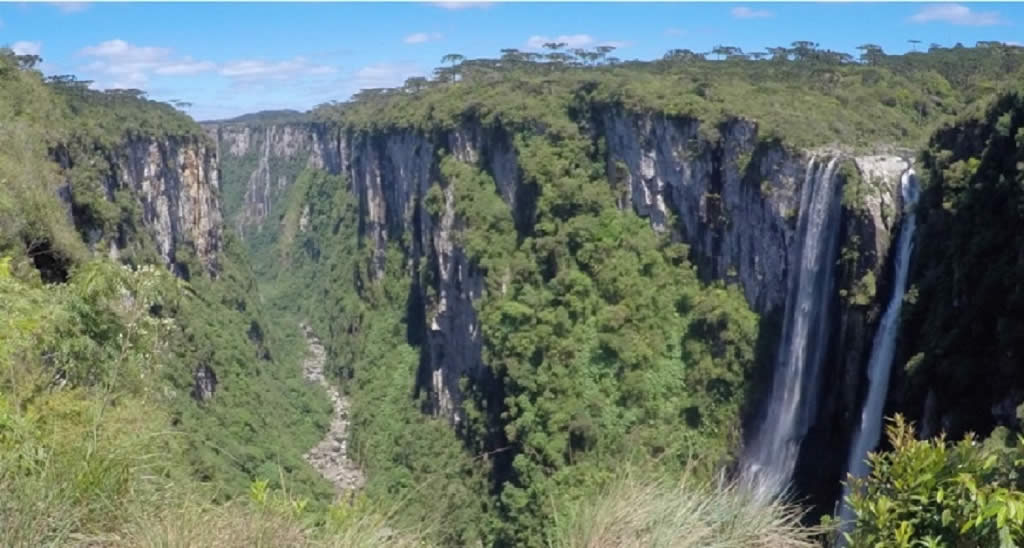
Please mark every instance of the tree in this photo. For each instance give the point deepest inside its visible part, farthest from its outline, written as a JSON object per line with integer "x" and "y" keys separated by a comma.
{"x": 934, "y": 493}
{"x": 512, "y": 56}
{"x": 453, "y": 58}
{"x": 779, "y": 53}
{"x": 758, "y": 55}
{"x": 445, "y": 74}
{"x": 452, "y": 74}
{"x": 415, "y": 83}
{"x": 802, "y": 49}
{"x": 603, "y": 51}
{"x": 914, "y": 43}
{"x": 27, "y": 61}
{"x": 871, "y": 54}
{"x": 554, "y": 46}
{"x": 682, "y": 55}
{"x": 558, "y": 58}
{"x": 126, "y": 92}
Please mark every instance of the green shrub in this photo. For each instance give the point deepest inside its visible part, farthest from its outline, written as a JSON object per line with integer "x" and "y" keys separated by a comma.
{"x": 933, "y": 493}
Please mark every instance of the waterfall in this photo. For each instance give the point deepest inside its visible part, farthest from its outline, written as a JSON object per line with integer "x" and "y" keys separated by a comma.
{"x": 869, "y": 430}
{"x": 769, "y": 460}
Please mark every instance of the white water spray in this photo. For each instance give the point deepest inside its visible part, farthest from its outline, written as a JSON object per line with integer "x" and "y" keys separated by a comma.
{"x": 769, "y": 461}
{"x": 880, "y": 364}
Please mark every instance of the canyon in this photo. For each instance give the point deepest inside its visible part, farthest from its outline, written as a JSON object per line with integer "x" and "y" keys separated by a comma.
{"x": 740, "y": 202}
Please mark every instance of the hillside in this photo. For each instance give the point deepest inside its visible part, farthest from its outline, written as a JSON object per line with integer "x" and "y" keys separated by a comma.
{"x": 139, "y": 364}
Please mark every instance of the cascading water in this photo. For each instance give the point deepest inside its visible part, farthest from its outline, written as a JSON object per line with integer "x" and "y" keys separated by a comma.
{"x": 884, "y": 347}
{"x": 768, "y": 462}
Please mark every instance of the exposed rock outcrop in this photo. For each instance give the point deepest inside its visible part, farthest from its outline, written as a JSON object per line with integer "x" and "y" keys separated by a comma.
{"x": 204, "y": 383}
{"x": 177, "y": 183}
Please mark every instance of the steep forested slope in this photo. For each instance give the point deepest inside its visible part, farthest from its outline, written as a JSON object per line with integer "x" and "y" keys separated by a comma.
{"x": 964, "y": 334}
{"x": 125, "y": 387}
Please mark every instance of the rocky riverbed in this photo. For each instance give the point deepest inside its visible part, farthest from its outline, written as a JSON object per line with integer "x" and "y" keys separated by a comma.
{"x": 330, "y": 456}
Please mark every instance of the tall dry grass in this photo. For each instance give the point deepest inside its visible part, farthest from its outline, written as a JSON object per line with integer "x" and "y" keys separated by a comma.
{"x": 637, "y": 511}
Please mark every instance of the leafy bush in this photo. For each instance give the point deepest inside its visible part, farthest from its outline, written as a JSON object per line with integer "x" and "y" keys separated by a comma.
{"x": 930, "y": 493}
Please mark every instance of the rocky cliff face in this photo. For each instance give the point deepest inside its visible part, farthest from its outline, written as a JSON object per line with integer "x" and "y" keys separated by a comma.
{"x": 174, "y": 186}
{"x": 390, "y": 173}
{"x": 177, "y": 184}
{"x": 735, "y": 200}
{"x": 268, "y": 159}
{"x": 733, "y": 197}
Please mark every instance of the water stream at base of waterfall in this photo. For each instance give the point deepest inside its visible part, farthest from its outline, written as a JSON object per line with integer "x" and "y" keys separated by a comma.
{"x": 768, "y": 462}
{"x": 883, "y": 349}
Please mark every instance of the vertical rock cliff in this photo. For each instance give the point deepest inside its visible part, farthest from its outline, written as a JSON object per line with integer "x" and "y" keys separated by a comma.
{"x": 734, "y": 196}
{"x": 737, "y": 201}
{"x": 177, "y": 183}
{"x": 167, "y": 190}
{"x": 268, "y": 159}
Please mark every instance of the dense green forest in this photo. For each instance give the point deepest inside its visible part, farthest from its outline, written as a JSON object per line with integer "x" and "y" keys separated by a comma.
{"x": 603, "y": 347}
{"x": 801, "y": 94}
{"x": 612, "y": 366}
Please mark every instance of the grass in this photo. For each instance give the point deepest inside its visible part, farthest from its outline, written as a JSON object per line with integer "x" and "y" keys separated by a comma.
{"x": 46, "y": 516}
{"x": 637, "y": 510}
{"x": 245, "y": 525}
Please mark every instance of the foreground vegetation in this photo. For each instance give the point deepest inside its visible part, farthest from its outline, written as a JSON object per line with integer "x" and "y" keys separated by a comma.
{"x": 935, "y": 493}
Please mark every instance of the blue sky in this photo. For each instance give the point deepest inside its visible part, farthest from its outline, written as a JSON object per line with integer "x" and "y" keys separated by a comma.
{"x": 232, "y": 58}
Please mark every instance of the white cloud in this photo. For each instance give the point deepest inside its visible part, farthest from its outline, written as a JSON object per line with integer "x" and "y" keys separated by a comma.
{"x": 385, "y": 75}
{"x": 674, "y": 32}
{"x": 956, "y": 14}
{"x": 116, "y": 63}
{"x": 258, "y": 69}
{"x": 462, "y": 5}
{"x": 743, "y": 12}
{"x": 71, "y": 7}
{"x": 185, "y": 66}
{"x": 24, "y": 47}
{"x": 122, "y": 51}
{"x": 570, "y": 40}
{"x": 422, "y": 37}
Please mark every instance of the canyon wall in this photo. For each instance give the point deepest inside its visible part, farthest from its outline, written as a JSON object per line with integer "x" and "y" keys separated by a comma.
{"x": 177, "y": 183}
{"x": 730, "y": 194}
{"x": 167, "y": 192}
